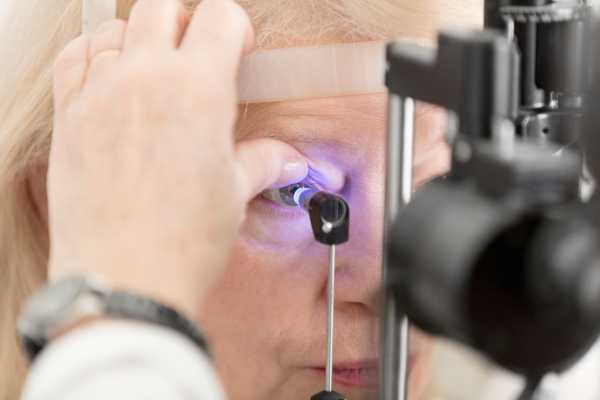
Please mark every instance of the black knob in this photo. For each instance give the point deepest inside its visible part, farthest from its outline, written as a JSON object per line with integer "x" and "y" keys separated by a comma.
{"x": 329, "y": 218}
{"x": 324, "y": 395}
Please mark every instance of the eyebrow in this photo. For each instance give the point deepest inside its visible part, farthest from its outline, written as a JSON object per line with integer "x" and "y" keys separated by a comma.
{"x": 310, "y": 139}
{"x": 332, "y": 125}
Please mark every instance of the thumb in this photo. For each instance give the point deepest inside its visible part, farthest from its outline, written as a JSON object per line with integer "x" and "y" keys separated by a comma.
{"x": 266, "y": 163}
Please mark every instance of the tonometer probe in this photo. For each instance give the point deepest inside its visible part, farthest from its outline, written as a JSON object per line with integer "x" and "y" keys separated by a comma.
{"x": 329, "y": 218}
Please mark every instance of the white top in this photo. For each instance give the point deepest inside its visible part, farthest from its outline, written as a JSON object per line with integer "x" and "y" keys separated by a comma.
{"x": 130, "y": 360}
{"x": 122, "y": 360}
{"x": 476, "y": 378}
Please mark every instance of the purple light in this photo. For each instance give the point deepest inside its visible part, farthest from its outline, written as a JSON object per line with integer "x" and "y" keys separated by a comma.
{"x": 298, "y": 193}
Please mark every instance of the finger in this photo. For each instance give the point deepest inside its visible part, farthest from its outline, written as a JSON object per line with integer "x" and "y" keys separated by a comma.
{"x": 155, "y": 23}
{"x": 106, "y": 45}
{"x": 266, "y": 163}
{"x": 109, "y": 36}
{"x": 219, "y": 32}
{"x": 70, "y": 70}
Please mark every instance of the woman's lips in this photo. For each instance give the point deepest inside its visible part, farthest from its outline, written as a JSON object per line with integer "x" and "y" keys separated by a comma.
{"x": 362, "y": 374}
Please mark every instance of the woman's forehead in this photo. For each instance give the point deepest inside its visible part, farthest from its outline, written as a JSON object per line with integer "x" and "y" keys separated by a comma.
{"x": 293, "y": 23}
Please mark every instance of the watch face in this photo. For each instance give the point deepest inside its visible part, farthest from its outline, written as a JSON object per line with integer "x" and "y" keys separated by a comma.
{"x": 50, "y": 305}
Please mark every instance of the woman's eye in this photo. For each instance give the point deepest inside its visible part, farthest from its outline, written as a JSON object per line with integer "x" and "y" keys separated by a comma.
{"x": 288, "y": 196}
{"x": 283, "y": 197}
{"x": 275, "y": 216}
{"x": 271, "y": 209}
{"x": 279, "y": 203}
{"x": 287, "y": 201}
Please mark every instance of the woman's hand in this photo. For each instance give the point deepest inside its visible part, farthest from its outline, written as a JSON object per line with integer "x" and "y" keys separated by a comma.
{"x": 146, "y": 187}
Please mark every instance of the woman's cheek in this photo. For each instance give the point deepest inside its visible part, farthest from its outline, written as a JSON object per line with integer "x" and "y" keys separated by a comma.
{"x": 270, "y": 225}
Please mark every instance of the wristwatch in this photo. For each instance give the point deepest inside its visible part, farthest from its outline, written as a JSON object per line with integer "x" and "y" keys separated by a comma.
{"x": 61, "y": 304}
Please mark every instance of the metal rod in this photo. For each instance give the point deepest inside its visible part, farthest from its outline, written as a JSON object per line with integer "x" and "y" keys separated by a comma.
{"x": 389, "y": 345}
{"x": 407, "y": 144}
{"x": 389, "y": 349}
{"x": 403, "y": 364}
{"x": 531, "y": 389}
{"x": 330, "y": 311}
{"x": 510, "y": 28}
{"x": 394, "y": 342}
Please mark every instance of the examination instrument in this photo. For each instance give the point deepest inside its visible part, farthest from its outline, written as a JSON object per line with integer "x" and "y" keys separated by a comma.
{"x": 330, "y": 222}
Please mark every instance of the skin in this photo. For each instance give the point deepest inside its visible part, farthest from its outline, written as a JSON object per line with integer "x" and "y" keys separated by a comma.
{"x": 257, "y": 287}
{"x": 279, "y": 272}
{"x": 110, "y": 111}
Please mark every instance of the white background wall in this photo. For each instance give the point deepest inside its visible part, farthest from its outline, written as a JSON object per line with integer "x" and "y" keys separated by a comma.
{"x": 477, "y": 379}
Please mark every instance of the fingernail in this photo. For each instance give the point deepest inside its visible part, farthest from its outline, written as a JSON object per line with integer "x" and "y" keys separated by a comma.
{"x": 293, "y": 171}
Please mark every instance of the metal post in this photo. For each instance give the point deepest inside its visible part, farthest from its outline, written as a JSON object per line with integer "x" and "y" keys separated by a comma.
{"x": 399, "y": 186}
{"x": 330, "y": 319}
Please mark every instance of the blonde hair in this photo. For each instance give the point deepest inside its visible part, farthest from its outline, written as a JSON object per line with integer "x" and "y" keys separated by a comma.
{"x": 33, "y": 32}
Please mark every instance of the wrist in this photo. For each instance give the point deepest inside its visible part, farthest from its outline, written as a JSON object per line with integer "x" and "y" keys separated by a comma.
{"x": 81, "y": 323}
{"x": 179, "y": 284}
{"x": 77, "y": 301}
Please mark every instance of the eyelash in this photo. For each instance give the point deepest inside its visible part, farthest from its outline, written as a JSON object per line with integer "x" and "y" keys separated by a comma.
{"x": 277, "y": 210}
{"x": 312, "y": 180}
{"x": 280, "y": 210}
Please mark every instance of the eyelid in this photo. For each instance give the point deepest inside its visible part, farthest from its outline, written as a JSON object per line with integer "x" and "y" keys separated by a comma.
{"x": 274, "y": 209}
{"x": 282, "y": 197}
{"x": 322, "y": 175}
{"x": 325, "y": 175}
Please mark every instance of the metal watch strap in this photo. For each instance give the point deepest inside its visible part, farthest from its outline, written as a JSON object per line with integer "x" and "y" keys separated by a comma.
{"x": 32, "y": 347}
{"x": 118, "y": 304}
{"x": 129, "y": 306}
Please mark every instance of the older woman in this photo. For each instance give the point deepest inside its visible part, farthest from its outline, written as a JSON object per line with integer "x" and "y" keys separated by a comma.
{"x": 265, "y": 316}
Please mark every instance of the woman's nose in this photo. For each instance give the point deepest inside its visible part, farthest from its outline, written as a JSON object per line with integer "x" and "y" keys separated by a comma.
{"x": 358, "y": 267}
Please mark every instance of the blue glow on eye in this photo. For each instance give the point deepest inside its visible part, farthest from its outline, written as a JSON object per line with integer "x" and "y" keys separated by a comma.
{"x": 298, "y": 194}
{"x": 314, "y": 178}
{"x": 315, "y": 175}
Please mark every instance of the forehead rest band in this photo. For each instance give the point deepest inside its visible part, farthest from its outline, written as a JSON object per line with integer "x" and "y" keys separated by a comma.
{"x": 310, "y": 72}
